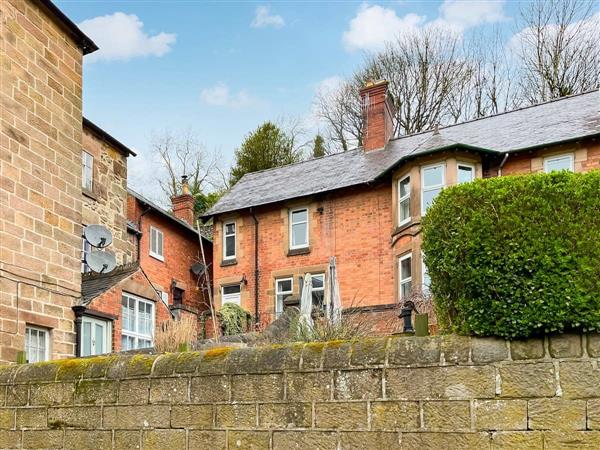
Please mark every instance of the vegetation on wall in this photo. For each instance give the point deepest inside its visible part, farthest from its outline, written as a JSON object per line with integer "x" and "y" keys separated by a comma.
{"x": 516, "y": 256}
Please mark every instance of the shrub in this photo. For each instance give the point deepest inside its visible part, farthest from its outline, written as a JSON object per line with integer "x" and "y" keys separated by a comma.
{"x": 234, "y": 319}
{"x": 516, "y": 256}
{"x": 173, "y": 334}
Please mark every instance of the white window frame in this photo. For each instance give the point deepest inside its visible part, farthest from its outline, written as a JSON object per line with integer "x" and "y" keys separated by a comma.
{"x": 291, "y": 227}
{"x": 549, "y": 159}
{"x": 87, "y": 171}
{"x": 107, "y": 343}
{"x": 231, "y": 298}
{"x": 155, "y": 254}
{"x": 402, "y": 198}
{"x": 321, "y": 289}
{"x": 466, "y": 165}
{"x": 45, "y": 332}
{"x": 402, "y": 281}
{"x": 278, "y": 307}
{"x": 225, "y": 235}
{"x": 433, "y": 187}
{"x": 135, "y": 334}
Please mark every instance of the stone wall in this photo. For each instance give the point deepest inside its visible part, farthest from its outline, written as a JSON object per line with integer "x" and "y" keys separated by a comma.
{"x": 40, "y": 178}
{"x": 398, "y": 392}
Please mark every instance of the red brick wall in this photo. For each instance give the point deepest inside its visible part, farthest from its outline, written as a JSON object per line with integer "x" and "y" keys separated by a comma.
{"x": 181, "y": 250}
{"x": 354, "y": 226}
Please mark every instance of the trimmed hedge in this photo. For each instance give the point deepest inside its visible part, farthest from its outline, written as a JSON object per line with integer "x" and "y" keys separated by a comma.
{"x": 516, "y": 256}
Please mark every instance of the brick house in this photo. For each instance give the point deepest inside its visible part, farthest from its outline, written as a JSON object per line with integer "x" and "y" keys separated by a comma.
{"x": 364, "y": 206}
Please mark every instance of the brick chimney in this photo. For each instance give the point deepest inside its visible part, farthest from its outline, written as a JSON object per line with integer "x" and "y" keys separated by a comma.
{"x": 378, "y": 113}
{"x": 183, "y": 205}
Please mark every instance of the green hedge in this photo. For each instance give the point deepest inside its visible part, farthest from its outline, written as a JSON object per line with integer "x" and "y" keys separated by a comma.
{"x": 516, "y": 256}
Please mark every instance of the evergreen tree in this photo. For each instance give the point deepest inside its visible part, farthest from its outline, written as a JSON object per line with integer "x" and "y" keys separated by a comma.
{"x": 266, "y": 147}
{"x": 318, "y": 147}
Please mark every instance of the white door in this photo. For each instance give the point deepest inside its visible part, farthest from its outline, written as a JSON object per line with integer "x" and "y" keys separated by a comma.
{"x": 96, "y": 336}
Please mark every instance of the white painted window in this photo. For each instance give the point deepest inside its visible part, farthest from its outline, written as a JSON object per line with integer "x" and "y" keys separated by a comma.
{"x": 404, "y": 200}
{"x": 559, "y": 162}
{"x": 37, "y": 344}
{"x": 318, "y": 291}
{"x": 87, "y": 171}
{"x": 156, "y": 244}
{"x": 405, "y": 275}
{"x": 433, "y": 180}
{"x": 229, "y": 237}
{"x": 137, "y": 317}
{"x": 164, "y": 296}
{"x": 283, "y": 289}
{"x": 96, "y": 336}
{"x": 425, "y": 274}
{"x": 231, "y": 294}
{"x": 299, "y": 228}
{"x": 86, "y": 249}
{"x": 465, "y": 173}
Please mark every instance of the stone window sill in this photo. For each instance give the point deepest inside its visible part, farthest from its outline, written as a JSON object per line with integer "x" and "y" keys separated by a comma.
{"x": 89, "y": 194}
{"x": 228, "y": 262}
{"x": 299, "y": 251}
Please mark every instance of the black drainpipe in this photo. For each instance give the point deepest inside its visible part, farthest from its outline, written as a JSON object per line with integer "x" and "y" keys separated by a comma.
{"x": 138, "y": 235}
{"x": 78, "y": 310}
{"x": 256, "y": 271}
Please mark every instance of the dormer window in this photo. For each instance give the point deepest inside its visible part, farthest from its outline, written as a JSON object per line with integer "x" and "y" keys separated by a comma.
{"x": 404, "y": 200}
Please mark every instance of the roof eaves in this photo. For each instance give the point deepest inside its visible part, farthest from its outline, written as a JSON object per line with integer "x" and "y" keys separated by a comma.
{"x": 85, "y": 43}
{"x": 110, "y": 139}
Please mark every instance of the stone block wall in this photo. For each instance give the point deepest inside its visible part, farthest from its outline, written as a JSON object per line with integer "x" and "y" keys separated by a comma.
{"x": 393, "y": 393}
{"x": 40, "y": 177}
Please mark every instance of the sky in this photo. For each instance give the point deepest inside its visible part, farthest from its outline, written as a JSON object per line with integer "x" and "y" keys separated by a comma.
{"x": 219, "y": 69}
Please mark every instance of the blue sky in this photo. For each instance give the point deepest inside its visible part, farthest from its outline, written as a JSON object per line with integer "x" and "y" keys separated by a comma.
{"x": 220, "y": 69}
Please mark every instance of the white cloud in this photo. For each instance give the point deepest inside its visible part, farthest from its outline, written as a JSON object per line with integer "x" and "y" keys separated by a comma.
{"x": 328, "y": 85}
{"x": 263, "y": 18}
{"x": 466, "y": 14}
{"x": 121, "y": 36}
{"x": 374, "y": 25}
{"x": 220, "y": 95}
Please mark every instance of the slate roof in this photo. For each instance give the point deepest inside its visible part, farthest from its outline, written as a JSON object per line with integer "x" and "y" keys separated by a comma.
{"x": 164, "y": 212}
{"x": 95, "y": 284}
{"x": 567, "y": 119}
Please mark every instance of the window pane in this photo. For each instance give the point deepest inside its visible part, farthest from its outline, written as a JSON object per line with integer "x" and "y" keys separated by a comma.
{"x": 159, "y": 246}
{"x": 99, "y": 339}
{"x": 86, "y": 339}
{"x": 235, "y": 289}
{"x": 318, "y": 281}
{"x": 284, "y": 285}
{"x": 560, "y": 163}
{"x": 405, "y": 268}
{"x": 465, "y": 174}
{"x": 429, "y": 196}
{"x": 230, "y": 246}
{"x": 230, "y": 228}
{"x": 405, "y": 289}
{"x": 433, "y": 176}
{"x": 405, "y": 187}
{"x": 299, "y": 234}
{"x": 405, "y": 209}
{"x": 299, "y": 216}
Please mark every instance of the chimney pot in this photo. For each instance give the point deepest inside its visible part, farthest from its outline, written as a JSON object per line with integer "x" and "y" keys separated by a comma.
{"x": 183, "y": 204}
{"x": 378, "y": 115}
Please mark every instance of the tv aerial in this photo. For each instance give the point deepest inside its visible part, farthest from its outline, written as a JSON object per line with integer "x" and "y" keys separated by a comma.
{"x": 99, "y": 260}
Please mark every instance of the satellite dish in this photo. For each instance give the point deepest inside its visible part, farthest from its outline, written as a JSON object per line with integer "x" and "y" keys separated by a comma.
{"x": 101, "y": 262}
{"x": 98, "y": 236}
{"x": 197, "y": 268}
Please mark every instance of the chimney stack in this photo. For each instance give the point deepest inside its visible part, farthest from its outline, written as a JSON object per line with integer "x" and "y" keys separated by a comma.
{"x": 183, "y": 204}
{"x": 378, "y": 114}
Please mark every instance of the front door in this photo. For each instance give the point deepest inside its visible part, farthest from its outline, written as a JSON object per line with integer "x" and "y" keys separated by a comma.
{"x": 96, "y": 336}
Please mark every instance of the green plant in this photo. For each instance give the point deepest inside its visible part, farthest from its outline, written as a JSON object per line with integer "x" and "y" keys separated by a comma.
{"x": 233, "y": 318}
{"x": 516, "y": 256}
{"x": 175, "y": 335}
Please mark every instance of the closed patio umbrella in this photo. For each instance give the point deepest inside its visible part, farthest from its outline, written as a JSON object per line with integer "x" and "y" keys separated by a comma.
{"x": 306, "y": 302}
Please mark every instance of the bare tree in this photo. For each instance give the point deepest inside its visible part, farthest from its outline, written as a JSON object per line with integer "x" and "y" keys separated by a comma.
{"x": 184, "y": 154}
{"x": 560, "y": 51}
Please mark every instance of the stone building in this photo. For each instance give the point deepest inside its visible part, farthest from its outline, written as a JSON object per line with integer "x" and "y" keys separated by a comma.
{"x": 364, "y": 206}
{"x": 40, "y": 178}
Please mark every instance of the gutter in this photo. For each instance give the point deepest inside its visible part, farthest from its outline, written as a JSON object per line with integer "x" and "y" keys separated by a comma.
{"x": 256, "y": 270}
